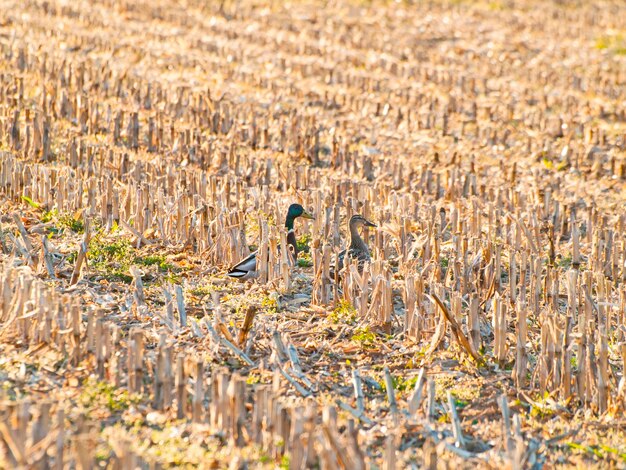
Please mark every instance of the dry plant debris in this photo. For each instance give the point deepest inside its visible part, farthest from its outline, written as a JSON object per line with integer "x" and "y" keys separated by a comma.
{"x": 146, "y": 146}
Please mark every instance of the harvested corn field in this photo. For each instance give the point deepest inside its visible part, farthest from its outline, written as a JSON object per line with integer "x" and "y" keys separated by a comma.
{"x": 338, "y": 235}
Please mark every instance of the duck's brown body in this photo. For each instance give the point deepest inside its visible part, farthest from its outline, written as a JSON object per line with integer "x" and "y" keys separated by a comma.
{"x": 358, "y": 249}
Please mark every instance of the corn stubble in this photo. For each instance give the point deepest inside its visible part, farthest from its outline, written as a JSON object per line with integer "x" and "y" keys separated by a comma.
{"x": 487, "y": 142}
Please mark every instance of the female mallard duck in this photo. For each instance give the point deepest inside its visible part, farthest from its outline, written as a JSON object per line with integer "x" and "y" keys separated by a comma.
{"x": 246, "y": 268}
{"x": 358, "y": 249}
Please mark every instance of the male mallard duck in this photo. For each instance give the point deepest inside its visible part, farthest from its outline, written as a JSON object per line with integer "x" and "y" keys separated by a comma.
{"x": 247, "y": 267}
{"x": 358, "y": 249}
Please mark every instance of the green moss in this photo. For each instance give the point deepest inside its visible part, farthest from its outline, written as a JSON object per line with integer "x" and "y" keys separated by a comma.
{"x": 96, "y": 394}
{"x": 49, "y": 216}
{"x": 404, "y": 385}
{"x": 103, "y": 452}
{"x": 540, "y": 409}
{"x": 614, "y": 43}
{"x": 496, "y": 6}
{"x": 112, "y": 259}
{"x": 203, "y": 290}
{"x": 173, "y": 278}
{"x": 305, "y": 260}
{"x": 400, "y": 383}
{"x": 602, "y": 43}
{"x": 71, "y": 258}
{"x": 253, "y": 379}
{"x": 158, "y": 260}
{"x": 364, "y": 337}
{"x": 63, "y": 221}
{"x": 117, "y": 250}
{"x": 270, "y": 304}
{"x": 599, "y": 451}
{"x": 344, "y": 313}
{"x": 460, "y": 404}
{"x": 171, "y": 450}
{"x": 565, "y": 262}
{"x": 303, "y": 243}
{"x": 284, "y": 462}
{"x": 463, "y": 391}
{"x": 68, "y": 221}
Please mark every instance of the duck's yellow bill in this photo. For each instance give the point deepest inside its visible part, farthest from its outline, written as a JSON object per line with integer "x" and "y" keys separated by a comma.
{"x": 307, "y": 215}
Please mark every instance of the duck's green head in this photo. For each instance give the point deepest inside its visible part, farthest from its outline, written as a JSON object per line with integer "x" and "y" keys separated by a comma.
{"x": 294, "y": 211}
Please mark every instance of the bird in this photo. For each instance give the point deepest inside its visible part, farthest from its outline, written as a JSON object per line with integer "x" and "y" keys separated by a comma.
{"x": 358, "y": 248}
{"x": 246, "y": 268}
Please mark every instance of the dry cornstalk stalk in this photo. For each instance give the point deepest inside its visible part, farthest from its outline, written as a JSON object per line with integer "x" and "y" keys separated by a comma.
{"x": 251, "y": 312}
{"x": 82, "y": 254}
{"x": 181, "y": 396}
{"x": 456, "y": 330}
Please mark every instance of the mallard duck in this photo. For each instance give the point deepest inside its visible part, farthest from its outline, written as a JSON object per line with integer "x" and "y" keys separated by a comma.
{"x": 246, "y": 268}
{"x": 358, "y": 249}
